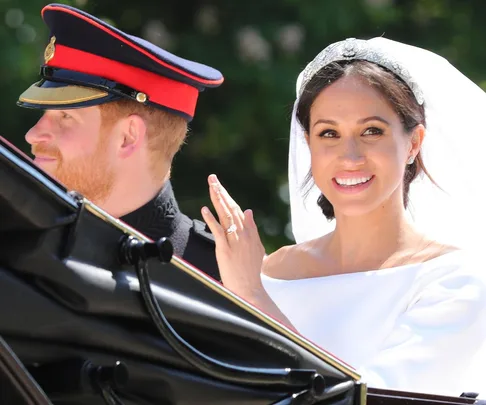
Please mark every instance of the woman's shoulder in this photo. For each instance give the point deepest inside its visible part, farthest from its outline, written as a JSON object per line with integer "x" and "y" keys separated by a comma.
{"x": 286, "y": 256}
{"x": 284, "y": 262}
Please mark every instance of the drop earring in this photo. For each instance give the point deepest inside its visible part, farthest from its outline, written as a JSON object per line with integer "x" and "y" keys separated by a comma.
{"x": 410, "y": 160}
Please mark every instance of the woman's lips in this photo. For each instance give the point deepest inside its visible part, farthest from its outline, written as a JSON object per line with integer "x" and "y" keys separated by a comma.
{"x": 355, "y": 188}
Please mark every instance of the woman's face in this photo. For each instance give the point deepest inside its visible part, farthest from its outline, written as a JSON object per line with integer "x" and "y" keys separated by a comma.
{"x": 359, "y": 149}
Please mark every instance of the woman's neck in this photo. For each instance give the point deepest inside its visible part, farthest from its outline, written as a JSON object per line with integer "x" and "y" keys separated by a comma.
{"x": 372, "y": 241}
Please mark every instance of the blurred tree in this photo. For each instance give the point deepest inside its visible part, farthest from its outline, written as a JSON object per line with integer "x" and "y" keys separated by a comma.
{"x": 240, "y": 131}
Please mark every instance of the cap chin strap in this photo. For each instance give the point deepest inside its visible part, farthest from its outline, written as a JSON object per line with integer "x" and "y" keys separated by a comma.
{"x": 65, "y": 76}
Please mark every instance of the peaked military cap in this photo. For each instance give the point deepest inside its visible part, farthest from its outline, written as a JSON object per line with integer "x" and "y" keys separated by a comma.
{"x": 89, "y": 62}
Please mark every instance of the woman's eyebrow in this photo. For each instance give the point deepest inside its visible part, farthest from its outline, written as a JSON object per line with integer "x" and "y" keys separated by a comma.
{"x": 361, "y": 121}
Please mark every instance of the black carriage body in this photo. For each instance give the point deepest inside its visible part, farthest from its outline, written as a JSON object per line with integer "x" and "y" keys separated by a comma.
{"x": 76, "y": 330}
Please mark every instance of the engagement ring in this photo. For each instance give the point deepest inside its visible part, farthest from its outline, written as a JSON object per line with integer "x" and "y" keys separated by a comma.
{"x": 231, "y": 229}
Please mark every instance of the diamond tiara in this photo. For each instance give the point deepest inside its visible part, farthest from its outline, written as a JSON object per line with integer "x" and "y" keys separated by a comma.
{"x": 359, "y": 49}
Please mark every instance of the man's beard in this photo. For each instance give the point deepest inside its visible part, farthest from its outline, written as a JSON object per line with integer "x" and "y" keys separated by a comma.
{"x": 89, "y": 175}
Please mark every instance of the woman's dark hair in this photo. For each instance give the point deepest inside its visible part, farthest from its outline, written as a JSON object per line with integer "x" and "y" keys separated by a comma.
{"x": 394, "y": 89}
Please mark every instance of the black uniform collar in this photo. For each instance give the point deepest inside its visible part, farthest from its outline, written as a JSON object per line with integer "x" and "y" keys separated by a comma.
{"x": 159, "y": 217}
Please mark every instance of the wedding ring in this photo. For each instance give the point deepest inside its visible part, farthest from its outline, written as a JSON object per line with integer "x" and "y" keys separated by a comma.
{"x": 231, "y": 229}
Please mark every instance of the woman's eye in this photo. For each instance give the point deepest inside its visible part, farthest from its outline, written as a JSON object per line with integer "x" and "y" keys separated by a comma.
{"x": 373, "y": 131}
{"x": 327, "y": 134}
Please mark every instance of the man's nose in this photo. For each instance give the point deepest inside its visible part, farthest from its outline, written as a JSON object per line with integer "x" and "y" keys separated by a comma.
{"x": 40, "y": 132}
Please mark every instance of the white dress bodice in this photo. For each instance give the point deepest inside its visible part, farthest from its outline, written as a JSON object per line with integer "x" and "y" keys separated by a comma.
{"x": 419, "y": 327}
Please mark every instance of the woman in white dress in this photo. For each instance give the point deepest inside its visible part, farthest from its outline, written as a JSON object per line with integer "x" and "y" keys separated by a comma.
{"x": 379, "y": 275}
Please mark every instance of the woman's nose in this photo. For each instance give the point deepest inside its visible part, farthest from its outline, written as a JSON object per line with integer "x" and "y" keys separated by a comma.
{"x": 352, "y": 153}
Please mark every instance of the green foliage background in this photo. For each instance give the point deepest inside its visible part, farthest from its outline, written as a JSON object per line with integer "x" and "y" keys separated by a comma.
{"x": 241, "y": 129}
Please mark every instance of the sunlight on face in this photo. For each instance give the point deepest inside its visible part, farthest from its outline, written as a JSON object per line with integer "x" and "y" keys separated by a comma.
{"x": 70, "y": 146}
{"x": 358, "y": 147}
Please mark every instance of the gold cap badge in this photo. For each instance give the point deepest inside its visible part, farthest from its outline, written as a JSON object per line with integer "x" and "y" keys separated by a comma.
{"x": 50, "y": 50}
{"x": 141, "y": 97}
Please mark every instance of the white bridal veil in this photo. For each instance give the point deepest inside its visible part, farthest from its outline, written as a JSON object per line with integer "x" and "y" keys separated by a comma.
{"x": 454, "y": 148}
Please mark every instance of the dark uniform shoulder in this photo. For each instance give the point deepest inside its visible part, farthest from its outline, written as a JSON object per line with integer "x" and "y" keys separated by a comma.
{"x": 191, "y": 239}
{"x": 202, "y": 231}
{"x": 200, "y": 249}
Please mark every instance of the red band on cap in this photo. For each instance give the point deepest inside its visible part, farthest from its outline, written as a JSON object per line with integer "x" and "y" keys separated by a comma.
{"x": 159, "y": 90}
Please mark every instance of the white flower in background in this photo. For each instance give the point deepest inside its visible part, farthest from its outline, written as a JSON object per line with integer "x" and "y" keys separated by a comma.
{"x": 290, "y": 38}
{"x": 252, "y": 46}
{"x": 26, "y": 34}
{"x": 270, "y": 226}
{"x": 14, "y": 17}
{"x": 207, "y": 19}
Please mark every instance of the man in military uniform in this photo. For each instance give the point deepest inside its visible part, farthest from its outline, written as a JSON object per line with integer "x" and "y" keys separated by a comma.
{"x": 116, "y": 110}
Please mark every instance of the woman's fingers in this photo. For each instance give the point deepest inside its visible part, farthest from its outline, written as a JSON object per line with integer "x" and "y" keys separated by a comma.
{"x": 252, "y": 228}
{"x": 250, "y": 224}
{"x": 233, "y": 207}
{"x": 227, "y": 215}
{"x": 215, "y": 227}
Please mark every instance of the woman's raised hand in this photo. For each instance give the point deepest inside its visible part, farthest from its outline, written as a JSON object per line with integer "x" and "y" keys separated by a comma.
{"x": 239, "y": 250}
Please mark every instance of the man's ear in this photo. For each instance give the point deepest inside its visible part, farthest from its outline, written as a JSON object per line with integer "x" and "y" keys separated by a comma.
{"x": 133, "y": 131}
